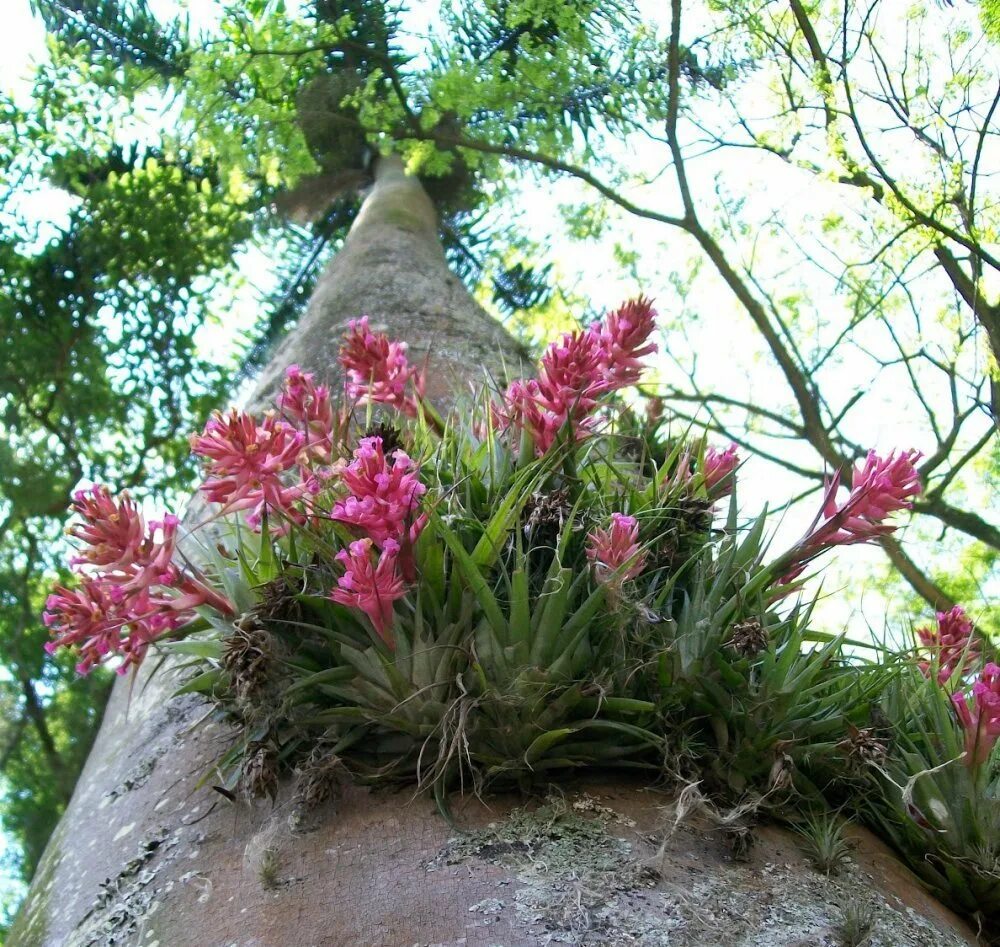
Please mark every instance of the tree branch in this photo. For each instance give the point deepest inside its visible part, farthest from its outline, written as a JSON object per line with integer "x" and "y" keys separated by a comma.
{"x": 925, "y": 587}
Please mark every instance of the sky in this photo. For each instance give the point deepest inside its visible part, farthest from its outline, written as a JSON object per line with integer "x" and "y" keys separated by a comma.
{"x": 23, "y": 39}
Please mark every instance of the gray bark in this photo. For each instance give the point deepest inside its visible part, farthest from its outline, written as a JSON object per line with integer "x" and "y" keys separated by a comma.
{"x": 145, "y": 856}
{"x": 393, "y": 270}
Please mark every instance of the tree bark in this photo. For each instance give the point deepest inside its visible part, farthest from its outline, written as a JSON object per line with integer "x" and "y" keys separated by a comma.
{"x": 392, "y": 269}
{"x": 148, "y": 854}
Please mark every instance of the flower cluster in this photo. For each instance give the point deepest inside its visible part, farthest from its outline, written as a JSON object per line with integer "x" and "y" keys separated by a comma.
{"x": 951, "y": 644}
{"x": 383, "y": 505}
{"x": 281, "y": 464}
{"x": 575, "y": 372}
{"x": 981, "y": 719}
{"x": 308, "y": 405}
{"x": 881, "y": 486}
{"x": 370, "y": 586}
{"x": 520, "y": 623}
{"x": 130, "y": 591}
{"x": 246, "y": 461}
{"x": 615, "y": 552}
{"x": 252, "y": 465}
{"x": 100, "y": 621}
{"x": 383, "y": 495}
{"x": 377, "y": 369}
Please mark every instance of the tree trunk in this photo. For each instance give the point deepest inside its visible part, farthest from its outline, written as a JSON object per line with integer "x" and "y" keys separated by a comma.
{"x": 148, "y": 855}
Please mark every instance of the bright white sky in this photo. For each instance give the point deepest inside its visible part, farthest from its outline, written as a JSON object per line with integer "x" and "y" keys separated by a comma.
{"x": 23, "y": 38}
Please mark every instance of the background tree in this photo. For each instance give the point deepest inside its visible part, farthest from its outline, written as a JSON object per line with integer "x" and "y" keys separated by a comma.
{"x": 113, "y": 295}
{"x": 906, "y": 129}
{"x": 100, "y": 314}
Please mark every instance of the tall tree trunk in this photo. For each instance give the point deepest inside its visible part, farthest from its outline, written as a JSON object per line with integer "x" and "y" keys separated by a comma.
{"x": 148, "y": 854}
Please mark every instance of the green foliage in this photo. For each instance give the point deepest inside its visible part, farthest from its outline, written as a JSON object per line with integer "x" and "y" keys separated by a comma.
{"x": 824, "y": 842}
{"x": 246, "y": 103}
{"x": 510, "y": 662}
{"x": 989, "y": 10}
{"x": 941, "y": 813}
{"x": 124, "y": 32}
{"x": 101, "y": 307}
{"x": 856, "y": 924}
{"x": 767, "y": 714}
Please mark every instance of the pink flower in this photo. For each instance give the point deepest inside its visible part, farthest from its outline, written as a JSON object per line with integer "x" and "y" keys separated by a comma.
{"x": 83, "y": 618}
{"x": 951, "y": 644}
{"x": 981, "y": 721}
{"x": 101, "y": 620}
{"x": 118, "y": 542}
{"x": 525, "y": 408}
{"x": 377, "y": 369}
{"x": 134, "y": 592}
{"x": 718, "y": 470}
{"x": 384, "y": 498}
{"x": 880, "y": 487}
{"x": 625, "y": 339}
{"x": 308, "y": 404}
{"x": 575, "y": 372}
{"x": 615, "y": 552}
{"x": 246, "y": 461}
{"x": 113, "y": 530}
{"x": 370, "y": 587}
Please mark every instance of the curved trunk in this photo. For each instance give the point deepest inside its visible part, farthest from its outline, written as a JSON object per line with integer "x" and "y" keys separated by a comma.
{"x": 148, "y": 854}
{"x": 392, "y": 269}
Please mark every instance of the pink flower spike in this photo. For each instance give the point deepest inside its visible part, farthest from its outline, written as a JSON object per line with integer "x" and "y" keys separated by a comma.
{"x": 369, "y": 587}
{"x": 112, "y": 529}
{"x": 718, "y": 470}
{"x": 880, "y": 487}
{"x": 246, "y": 461}
{"x": 120, "y": 544}
{"x": 981, "y": 721}
{"x": 384, "y": 500}
{"x": 615, "y": 552}
{"x": 571, "y": 375}
{"x": 308, "y": 404}
{"x": 951, "y": 644}
{"x": 625, "y": 340}
{"x": 574, "y": 373}
{"x": 133, "y": 592}
{"x": 102, "y": 621}
{"x": 83, "y": 618}
{"x": 883, "y": 485}
{"x": 377, "y": 369}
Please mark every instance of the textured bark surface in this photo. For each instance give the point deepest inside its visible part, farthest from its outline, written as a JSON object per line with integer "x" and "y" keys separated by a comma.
{"x": 595, "y": 864}
{"x": 393, "y": 270}
{"x": 145, "y": 856}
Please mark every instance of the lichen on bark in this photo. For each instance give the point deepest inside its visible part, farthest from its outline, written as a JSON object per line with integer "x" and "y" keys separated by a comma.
{"x": 612, "y": 867}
